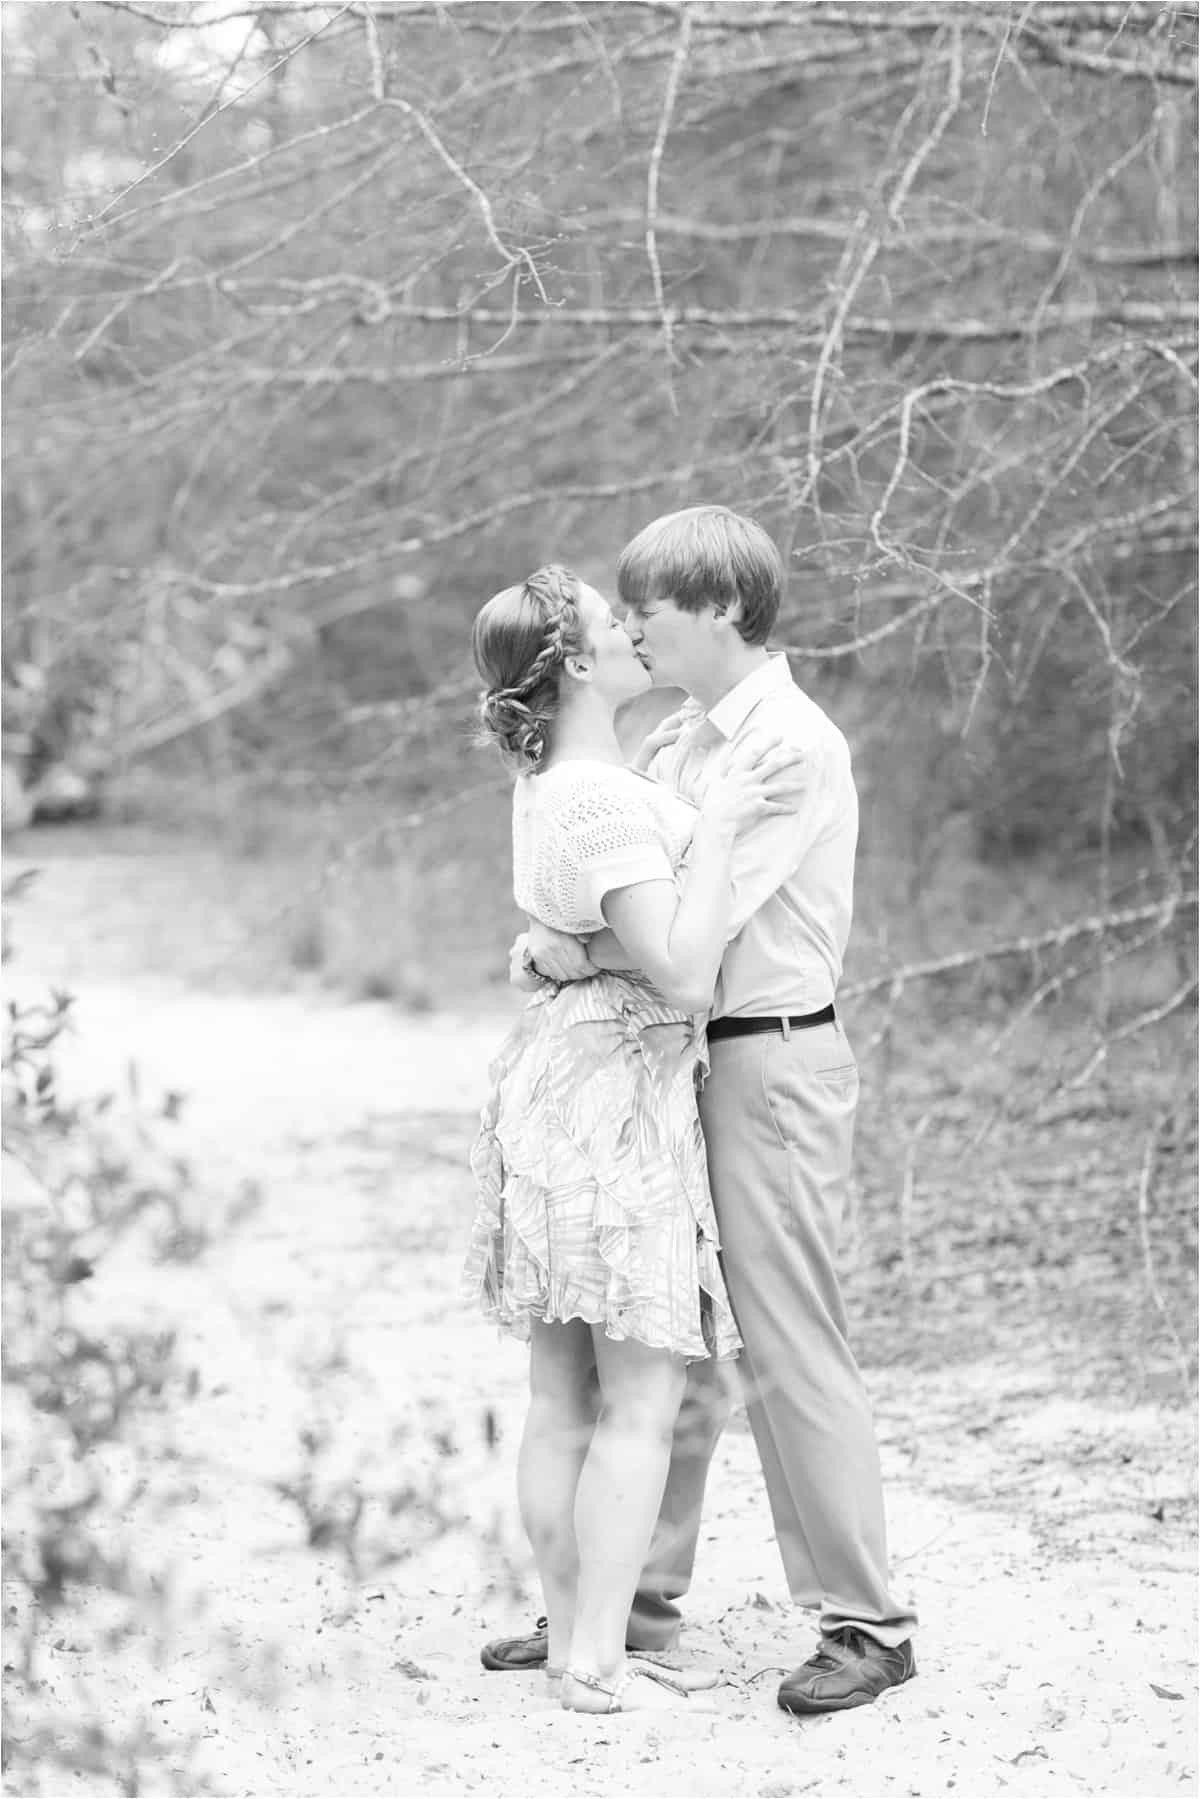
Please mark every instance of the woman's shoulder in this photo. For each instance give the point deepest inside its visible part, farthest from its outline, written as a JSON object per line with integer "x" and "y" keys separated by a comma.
{"x": 568, "y": 784}
{"x": 591, "y": 804}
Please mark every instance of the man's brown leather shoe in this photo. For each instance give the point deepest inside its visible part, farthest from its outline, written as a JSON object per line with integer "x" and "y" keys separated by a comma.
{"x": 850, "y": 1668}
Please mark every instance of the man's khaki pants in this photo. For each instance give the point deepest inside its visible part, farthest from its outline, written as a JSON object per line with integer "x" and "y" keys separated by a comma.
{"x": 778, "y": 1117}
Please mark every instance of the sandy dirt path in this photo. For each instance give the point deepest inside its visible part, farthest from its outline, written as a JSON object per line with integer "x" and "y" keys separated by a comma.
{"x": 1058, "y": 1648}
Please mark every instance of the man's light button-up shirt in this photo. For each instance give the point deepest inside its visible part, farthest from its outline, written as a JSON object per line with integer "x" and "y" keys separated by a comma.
{"x": 793, "y": 873}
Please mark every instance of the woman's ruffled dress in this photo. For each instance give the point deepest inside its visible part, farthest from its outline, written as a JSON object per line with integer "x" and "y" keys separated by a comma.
{"x": 594, "y": 1200}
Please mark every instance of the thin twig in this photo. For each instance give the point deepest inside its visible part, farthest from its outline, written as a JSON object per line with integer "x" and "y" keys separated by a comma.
{"x": 250, "y": 163}
{"x": 374, "y": 54}
{"x": 173, "y": 152}
{"x": 866, "y": 640}
{"x": 510, "y": 257}
{"x": 113, "y": 314}
{"x": 1000, "y": 54}
{"x": 1075, "y": 229}
{"x": 1182, "y": 73}
{"x": 899, "y": 328}
{"x": 186, "y": 20}
{"x": 408, "y": 546}
{"x": 347, "y": 374}
{"x": 874, "y": 242}
{"x": 211, "y": 104}
{"x": 997, "y": 390}
{"x": 976, "y": 238}
{"x": 1151, "y": 1016}
{"x": 674, "y": 76}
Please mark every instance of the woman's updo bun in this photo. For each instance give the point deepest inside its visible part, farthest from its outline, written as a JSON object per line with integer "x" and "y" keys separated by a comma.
{"x": 521, "y": 639}
{"x": 518, "y": 731}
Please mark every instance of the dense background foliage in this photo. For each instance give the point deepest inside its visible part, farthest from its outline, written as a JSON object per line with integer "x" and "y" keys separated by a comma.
{"x": 323, "y": 322}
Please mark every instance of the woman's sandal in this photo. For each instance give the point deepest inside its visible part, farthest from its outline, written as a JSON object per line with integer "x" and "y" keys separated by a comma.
{"x": 680, "y": 1680}
{"x": 615, "y": 1694}
{"x": 688, "y": 1679}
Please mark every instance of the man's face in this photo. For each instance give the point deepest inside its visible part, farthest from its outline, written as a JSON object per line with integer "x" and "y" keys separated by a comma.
{"x": 677, "y": 645}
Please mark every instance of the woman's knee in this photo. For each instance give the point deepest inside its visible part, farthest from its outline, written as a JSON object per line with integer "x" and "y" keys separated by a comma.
{"x": 647, "y": 1403}
{"x": 560, "y": 1421}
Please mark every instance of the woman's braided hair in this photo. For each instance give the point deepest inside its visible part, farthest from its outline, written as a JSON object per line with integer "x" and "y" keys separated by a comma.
{"x": 521, "y": 639}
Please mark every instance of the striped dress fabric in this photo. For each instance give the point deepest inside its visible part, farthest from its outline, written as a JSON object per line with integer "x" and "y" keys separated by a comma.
{"x": 593, "y": 1196}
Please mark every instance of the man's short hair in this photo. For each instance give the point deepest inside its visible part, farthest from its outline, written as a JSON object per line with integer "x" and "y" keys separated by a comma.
{"x": 705, "y": 556}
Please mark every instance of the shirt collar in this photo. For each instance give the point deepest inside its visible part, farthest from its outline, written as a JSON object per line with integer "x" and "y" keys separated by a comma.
{"x": 734, "y": 708}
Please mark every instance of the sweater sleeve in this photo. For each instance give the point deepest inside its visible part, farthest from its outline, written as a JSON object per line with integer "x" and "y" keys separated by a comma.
{"x": 607, "y": 838}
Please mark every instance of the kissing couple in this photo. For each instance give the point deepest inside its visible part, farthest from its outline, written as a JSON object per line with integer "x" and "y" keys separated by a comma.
{"x": 664, "y": 1155}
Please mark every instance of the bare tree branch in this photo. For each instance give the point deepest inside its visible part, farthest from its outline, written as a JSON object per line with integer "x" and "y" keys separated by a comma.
{"x": 412, "y": 545}
{"x": 127, "y": 299}
{"x": 347, "y": 374}
{"x": 156, "y": 735}
{"x": 374, "y": 53}
{"x": 866, "y": 640}
{"x": 511, "y": 258}
{"x": 1104, "y": 179}
{"x": 948, "y": 384}
{"x": 674, "y": 77}
{"x": 1026, "y": 946}
{"x": 1154, "y": 69}
{"x": 963, "y": 330}
{"x": 977, "y": 236}
{"x": 248, "y": 164}
{"x": 872, "y": 243}
{"x": 187, "y": 20}
{"x": 1151, "y": 1016}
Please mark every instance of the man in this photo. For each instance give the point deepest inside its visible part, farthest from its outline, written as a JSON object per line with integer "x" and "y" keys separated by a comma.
{"x": 702, "y": 589}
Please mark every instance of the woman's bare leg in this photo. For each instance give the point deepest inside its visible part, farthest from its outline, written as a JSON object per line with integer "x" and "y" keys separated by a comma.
{"x": 558, "y": 1430}
{"x": 616, "y": 1503}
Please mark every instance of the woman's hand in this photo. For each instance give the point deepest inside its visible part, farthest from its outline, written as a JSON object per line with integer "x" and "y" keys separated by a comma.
{"x": 520, "y": 975}
{"x": 557, "y": 956}
{"x": 661, "y": 738}
{"x": 760, "y": 780}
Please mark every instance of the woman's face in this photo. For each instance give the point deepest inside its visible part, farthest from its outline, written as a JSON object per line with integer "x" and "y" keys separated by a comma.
{"x": 619, "y": 670}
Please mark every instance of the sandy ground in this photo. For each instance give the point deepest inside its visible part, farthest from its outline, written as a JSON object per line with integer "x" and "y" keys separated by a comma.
{"x": 1048, "y": 1544}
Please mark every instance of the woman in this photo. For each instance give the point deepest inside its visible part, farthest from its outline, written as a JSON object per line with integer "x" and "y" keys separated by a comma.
{"x": 595, "y": 1238}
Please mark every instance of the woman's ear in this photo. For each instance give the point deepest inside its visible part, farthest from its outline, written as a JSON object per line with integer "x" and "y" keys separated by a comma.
{"x": 575, "y": 665}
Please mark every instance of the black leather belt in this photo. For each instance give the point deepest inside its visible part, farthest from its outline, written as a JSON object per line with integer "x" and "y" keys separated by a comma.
{"x": 749, "y": 1027}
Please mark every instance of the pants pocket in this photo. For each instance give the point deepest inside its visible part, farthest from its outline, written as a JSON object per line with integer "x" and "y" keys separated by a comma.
{"x": 804, "y": 1075}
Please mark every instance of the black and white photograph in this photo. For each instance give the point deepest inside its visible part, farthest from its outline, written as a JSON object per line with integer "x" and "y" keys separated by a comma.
{"x": 600, "y": 747}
